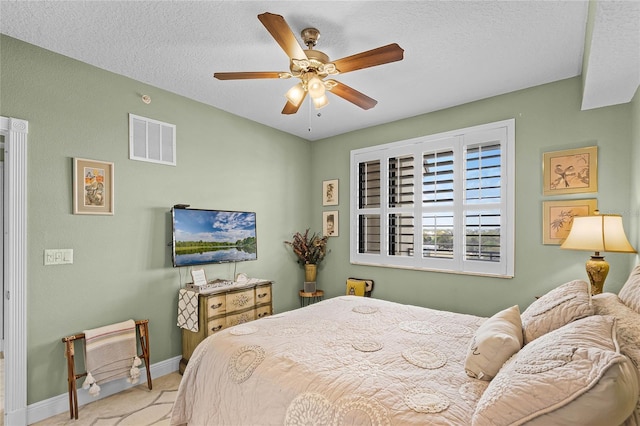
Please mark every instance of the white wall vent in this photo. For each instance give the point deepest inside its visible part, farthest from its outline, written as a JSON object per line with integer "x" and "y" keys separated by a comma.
{"x": 152, "y": 140}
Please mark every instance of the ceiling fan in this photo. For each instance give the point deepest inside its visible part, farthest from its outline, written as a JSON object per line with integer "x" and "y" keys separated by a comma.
{"x": 312, "y": 67}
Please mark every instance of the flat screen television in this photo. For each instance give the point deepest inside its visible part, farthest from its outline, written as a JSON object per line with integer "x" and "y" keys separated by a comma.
{"x": 213, "y": 236}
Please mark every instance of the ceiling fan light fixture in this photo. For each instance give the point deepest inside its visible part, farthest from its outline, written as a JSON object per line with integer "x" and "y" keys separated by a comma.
{"x": 320, "y": 102}
{"x": 295, "y": 95}
{"x": 313, "y": 66}
{"x": 316, "y": 88}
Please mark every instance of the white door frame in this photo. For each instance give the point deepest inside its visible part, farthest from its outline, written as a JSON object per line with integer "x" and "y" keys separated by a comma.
{"x": 2, "y": 249}
{"x": 15, "y": 269}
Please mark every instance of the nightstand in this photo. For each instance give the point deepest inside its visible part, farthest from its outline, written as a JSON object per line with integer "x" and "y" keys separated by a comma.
{"x": 307, "y": 298}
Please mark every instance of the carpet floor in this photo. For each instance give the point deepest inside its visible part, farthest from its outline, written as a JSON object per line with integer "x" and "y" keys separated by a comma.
{"x": 136, "y": 406}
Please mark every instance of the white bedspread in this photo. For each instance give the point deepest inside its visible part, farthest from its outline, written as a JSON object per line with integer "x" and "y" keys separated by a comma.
{"x": 347, "y": 360}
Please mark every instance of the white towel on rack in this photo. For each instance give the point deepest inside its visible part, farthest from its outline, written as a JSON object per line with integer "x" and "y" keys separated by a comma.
{"x": 188, "y": 310}
{"x": 110, "y": 353}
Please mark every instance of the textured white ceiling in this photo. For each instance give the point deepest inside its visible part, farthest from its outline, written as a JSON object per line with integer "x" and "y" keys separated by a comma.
{"x": 455, "y": 51}
{"x": 612, "y": 68}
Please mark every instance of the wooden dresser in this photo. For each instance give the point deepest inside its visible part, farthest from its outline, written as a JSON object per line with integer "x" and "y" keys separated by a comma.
{"x": 226, "y": 308}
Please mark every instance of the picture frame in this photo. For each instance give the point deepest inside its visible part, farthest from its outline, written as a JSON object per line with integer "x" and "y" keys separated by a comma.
{"x": 557, "y": 217}
{"x": 571, "y": 171}
{"x": 330, "y": 192}
{"x": 93, "y": 187}
{"x": 330, "y": 225}
{"x": 199, "y": 277}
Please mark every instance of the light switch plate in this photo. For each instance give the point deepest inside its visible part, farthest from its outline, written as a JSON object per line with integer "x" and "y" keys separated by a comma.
{"x": 58, "y": 256}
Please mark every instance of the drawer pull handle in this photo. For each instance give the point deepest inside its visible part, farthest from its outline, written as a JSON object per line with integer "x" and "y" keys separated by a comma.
{"x": 216, "y": 306}
{"x": 214, "y": 329}
{"x": 260, "y": 296}
{"x": 264, "y": 314}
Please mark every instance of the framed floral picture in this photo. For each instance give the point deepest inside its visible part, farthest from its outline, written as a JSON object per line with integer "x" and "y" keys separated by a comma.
{"x": 558, "y": 217}
{"x": 93, "y": 187}
{"x": 571, "y": 171}
{"x": 330, "y": 192}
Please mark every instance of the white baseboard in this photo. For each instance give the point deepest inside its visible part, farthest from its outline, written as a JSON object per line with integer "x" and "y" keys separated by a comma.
{"x": 60, "y": 404}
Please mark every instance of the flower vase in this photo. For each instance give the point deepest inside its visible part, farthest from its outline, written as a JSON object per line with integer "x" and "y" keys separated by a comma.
{"x": 310, "y": 272}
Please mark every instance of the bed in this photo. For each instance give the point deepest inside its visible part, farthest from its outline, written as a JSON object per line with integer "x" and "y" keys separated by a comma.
{"x": 567, "y": 359}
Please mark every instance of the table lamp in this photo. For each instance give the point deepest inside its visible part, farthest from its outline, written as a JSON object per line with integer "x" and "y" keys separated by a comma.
{"x": 598, "y": 233}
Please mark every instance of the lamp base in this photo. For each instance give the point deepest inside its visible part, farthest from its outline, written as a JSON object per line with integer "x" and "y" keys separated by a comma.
{"x": 597, "y": 270}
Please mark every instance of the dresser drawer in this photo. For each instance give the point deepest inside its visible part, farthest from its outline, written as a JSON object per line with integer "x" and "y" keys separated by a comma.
{"x": 263, "y": 311}
{"x": 216, "y": 305}
{"x": 263, "y": 294}
{"x": 239, "y": 300}
{"x": 241, "y": 317}
{"x": 215, "y": 325}
{"x": 223, "y": 309}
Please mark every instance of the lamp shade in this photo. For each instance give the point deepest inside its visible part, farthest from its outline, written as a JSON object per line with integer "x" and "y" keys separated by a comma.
{"x": 321, "y": 102}
{"x": 316, "y": 88}
{"x": 598, "y": 233}
{"x": 296, "y": 94}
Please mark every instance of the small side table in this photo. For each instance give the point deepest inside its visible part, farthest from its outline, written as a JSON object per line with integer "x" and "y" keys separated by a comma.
{"x": 307, "y": 298}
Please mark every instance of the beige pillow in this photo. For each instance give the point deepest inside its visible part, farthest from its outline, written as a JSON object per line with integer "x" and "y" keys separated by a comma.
{"x": 627, "y": 326}
{"x": 568, "y": 302}
{"x": 573, "y": 375}
{"x": 493, "y": 343}
{"x": 629, "y": 294}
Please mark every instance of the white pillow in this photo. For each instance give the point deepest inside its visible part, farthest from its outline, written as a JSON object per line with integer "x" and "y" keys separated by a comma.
{"x": 493, "y": 343}
{"x": 627, "y": 324}
{"x": 565, "y": 303}
{"x": 630, "y": 291}
{"x": 570, "y": 376}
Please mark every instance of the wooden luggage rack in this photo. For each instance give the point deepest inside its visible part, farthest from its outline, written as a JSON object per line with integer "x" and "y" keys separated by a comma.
{"x": 142, "y": 327}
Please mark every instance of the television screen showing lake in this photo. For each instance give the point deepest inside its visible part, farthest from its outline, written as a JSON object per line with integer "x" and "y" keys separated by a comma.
{"x": 213, "y": 236}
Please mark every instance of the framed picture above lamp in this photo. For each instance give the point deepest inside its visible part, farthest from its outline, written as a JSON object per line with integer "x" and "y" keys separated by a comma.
{"x": 572, "y": 171}
{"x": 557, "y": 217}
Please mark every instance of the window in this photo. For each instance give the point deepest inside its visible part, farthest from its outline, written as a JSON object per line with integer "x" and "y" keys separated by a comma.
{"x": 443, "y": 202}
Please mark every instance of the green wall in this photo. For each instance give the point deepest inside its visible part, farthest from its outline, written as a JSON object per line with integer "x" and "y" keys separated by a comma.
{"x": 122, "y": 263}
{"x": 548, "y": 118}
{"x": 634, "y": 176}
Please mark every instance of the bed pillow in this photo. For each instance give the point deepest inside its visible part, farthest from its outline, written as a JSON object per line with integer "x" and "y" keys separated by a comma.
{"x": 629, "y": 294}
{"x": 356, "y": 287}
{"x": 627, "y": 325}
{"x": 568, "y": 302}
{"x": 572, "y": 375}
{"x": 493, "y": 343}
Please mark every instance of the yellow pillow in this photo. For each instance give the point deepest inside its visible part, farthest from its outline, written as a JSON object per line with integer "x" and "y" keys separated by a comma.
{"x": 356, "y": 287}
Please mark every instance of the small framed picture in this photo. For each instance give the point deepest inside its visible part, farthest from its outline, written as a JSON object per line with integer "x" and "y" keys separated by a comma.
{"x": 93, "y": 187}
{"x": 199, "y": 277}
{"x": 558, "y": 217}
{"x": 330, "y": 223}
{"x": 572, "y": 171}
{"x": 330, "y": 192}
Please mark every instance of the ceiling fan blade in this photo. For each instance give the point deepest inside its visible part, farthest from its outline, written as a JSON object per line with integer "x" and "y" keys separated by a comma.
{"x": 353, "y": 96}
{"x": 291, "y": 108}
{"x": 246, "y": 75}
{"x": 370, "y": 58}
{"x": 281, "y": 32}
